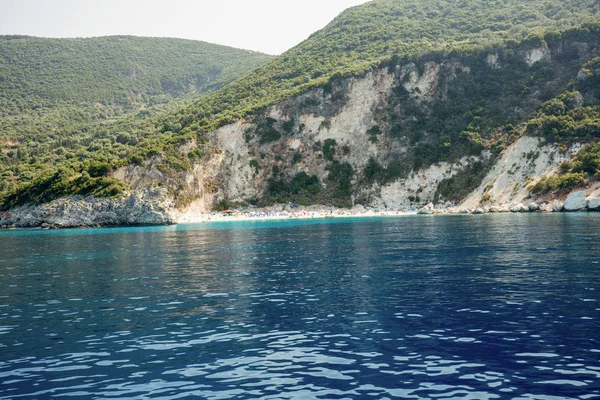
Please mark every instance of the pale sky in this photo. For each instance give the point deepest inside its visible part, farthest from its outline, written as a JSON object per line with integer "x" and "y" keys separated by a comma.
{"x": 269, "y": 26}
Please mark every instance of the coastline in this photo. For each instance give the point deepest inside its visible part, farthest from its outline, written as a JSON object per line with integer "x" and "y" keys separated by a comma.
{"x": 152, "y": 209}
{"x": 281, "y": 216}
{"x": 216, "y": 217}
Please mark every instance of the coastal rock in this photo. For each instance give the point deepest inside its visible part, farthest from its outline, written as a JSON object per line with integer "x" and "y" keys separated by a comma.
{"x": 557, "y": 206}
{"x": 519, "y": 208}
{"x": 534, "y": 207}
{"x": 479, "y": 211}
{"x": 357, "y": 209}
{"x": 427, "y": 210}
{"x": 147, "y": 207}
{"x": 575, "y": 201}
{"x": 594, "y": 204}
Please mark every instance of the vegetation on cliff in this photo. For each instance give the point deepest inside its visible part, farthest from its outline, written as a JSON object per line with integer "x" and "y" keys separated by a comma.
{"x": 69, "y": 103}
{"x": 392, "y": 30}
{"x": 124, "y": 71}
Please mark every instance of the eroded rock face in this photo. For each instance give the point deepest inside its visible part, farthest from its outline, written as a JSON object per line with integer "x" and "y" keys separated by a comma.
{"x": 147, "y": 207}
{"x": 557, "y": 206}
{"x": 538, "y": 54}
{"x": 575, "y": 201}
{"x": 427, "y": 210}
{"x": 594, "y": 204}
{"x": 524, "y": 163}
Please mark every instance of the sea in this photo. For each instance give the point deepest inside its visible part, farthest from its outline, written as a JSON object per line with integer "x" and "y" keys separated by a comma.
{"x": 412, "y": 307}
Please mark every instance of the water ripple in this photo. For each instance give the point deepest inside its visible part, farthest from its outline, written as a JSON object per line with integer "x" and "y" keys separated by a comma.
{"x": 423, "y": 308}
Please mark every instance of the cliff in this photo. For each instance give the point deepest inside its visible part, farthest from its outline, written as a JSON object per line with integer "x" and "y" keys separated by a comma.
{"x": 352, "y": 143}
{"x": 147, "y": 207}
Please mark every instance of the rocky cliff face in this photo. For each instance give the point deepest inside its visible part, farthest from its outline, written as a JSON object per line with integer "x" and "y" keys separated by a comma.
{"x": 147, "y": 207}
{"x": 360, "y": 126}
{"x": 523, "y": 164}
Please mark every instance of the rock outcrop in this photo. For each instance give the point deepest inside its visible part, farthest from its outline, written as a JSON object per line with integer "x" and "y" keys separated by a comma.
{"x": 429, "y": 209}
{"x": 557, "y": 206}
{"x": 594, "y": 204}
{"x": 519, "y": 208}
{"x": 148, "y": 207}
{"x": 576, "y": 201}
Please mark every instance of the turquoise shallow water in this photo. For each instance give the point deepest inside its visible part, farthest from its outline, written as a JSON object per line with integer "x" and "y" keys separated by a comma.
{"x": 494, "y": 306}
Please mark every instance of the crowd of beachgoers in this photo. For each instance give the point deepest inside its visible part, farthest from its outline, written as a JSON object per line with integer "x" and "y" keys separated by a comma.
{"x": 288, "y": 211}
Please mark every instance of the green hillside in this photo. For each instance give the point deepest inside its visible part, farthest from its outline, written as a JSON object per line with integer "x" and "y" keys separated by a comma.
{"x": 113, "y": 71}
{"x": 378, "y": 33}
{"x": 367, "y": 35}
{"x": 59, "y": 98}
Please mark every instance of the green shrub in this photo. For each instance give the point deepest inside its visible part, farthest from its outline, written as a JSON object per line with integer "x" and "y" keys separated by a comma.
{"x": 302, "y": 189}
{"x": 373, "y": 172}
{"x": 254, "y": 164}
{"x": 329, "y": 149}
{"x": 560, "y": 183}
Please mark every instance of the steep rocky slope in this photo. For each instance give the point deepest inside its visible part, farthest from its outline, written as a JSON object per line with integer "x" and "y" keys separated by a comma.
{"x": 341, "y": 145}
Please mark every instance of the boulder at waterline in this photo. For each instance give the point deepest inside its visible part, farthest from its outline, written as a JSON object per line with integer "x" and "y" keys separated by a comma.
{"x": 575, "y": 201}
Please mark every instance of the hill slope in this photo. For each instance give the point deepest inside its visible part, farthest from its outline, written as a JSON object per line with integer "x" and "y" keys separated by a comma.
{"x": 367, "y": 35}
{"x": 62, "y": 99}
{"x": 117, "y": 70}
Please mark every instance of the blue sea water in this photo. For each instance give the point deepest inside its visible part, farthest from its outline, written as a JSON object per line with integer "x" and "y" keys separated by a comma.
{"x": 478, "y": 307}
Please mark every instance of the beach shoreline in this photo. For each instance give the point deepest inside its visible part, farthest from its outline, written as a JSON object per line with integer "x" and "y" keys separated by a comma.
{"x": 282, "y": 215}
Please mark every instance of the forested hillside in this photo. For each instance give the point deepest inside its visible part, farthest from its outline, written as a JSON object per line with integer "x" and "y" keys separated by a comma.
{"x": 381, "y": 30}
{"x": 377, "y": 34}
{"x": 64, "y": 99}
{"x": 120, "y": 71}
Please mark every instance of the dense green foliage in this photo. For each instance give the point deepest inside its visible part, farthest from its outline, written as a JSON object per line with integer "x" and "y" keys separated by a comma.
{"x": 64, "y": 102}
{"x": 574, "y": 125}
{"x": 572, "y": 117}
{"x": 305, "y": 189}
{"x": 120, "y": 71}
{"x": 381, "y": 32}
{"x": 301, "y": 189}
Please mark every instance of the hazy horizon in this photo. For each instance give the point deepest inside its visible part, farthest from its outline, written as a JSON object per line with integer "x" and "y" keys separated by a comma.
{"x": 267, "y": 26}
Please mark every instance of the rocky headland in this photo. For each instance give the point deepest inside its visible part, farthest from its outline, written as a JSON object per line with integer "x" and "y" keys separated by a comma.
{"x": 147, "y": 207}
